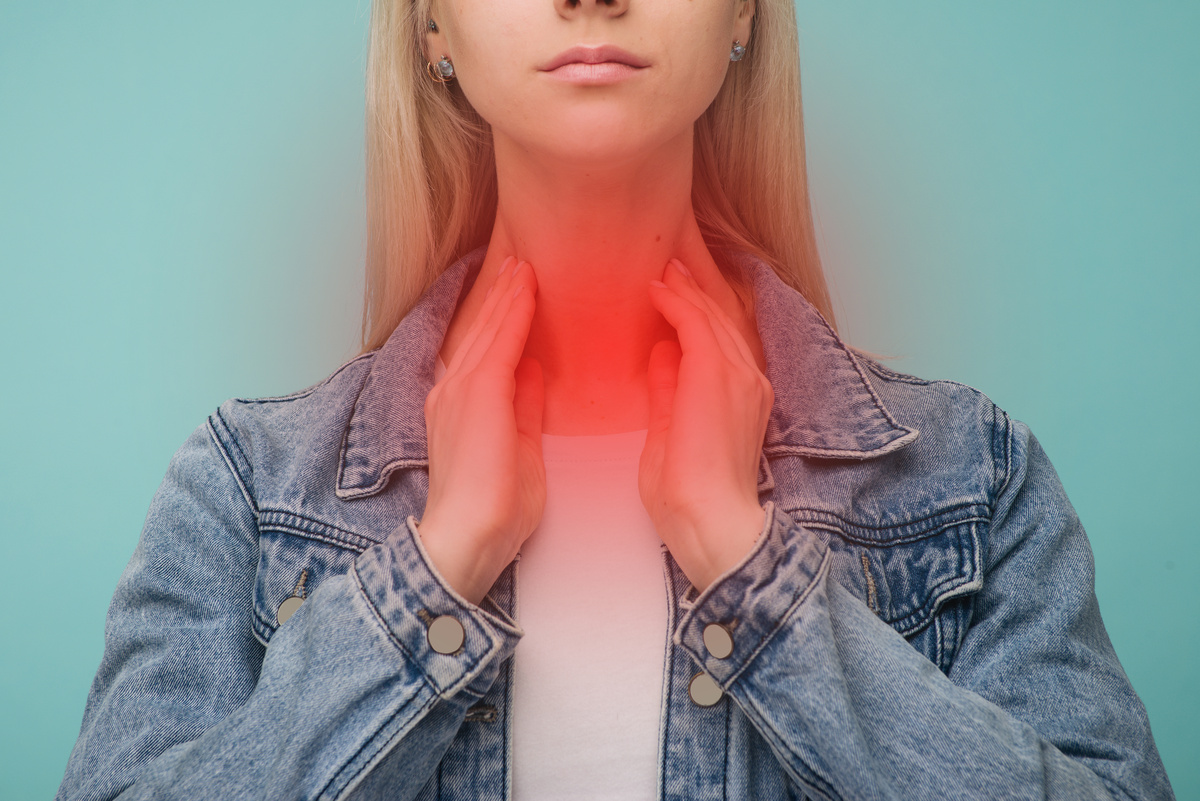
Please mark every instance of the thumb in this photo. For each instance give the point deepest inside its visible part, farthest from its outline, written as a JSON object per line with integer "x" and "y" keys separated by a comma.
{"x": 529, "y": 400}
{"x": 663, "y": 377}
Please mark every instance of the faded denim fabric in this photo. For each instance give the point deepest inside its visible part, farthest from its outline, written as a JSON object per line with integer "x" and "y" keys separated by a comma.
{"x": 917, "y": 619}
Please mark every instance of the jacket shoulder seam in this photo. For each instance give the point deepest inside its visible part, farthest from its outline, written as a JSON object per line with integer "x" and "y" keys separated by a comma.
{"x": 242, "y": 483}
{"x": 307, "y": 391}
{"x": 888, "y": 374}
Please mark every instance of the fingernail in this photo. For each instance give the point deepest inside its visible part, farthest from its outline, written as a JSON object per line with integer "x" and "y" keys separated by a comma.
{"x": 679, "y": 266}
{"x": 489, "y": 292}
{"x": 504, "y": 267}
{"x": 656, "y": 282}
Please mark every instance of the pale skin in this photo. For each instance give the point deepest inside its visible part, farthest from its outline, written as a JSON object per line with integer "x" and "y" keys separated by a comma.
{"x": 567, "y": 329}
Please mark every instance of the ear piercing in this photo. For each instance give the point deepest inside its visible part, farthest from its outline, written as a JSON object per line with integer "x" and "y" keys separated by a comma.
{"x": 443, "y": 72}
{"x": 738, "y": 51}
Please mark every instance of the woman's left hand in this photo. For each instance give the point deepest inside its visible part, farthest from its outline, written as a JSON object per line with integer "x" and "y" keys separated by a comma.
{"x": 709, "y": 405}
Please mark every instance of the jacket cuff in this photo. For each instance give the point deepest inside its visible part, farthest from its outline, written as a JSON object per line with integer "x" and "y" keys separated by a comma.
{"x": 407, "y": 593}
{"x": 754, "y": 598}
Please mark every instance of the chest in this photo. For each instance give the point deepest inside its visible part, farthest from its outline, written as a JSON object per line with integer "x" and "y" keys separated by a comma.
{"x": 916, "y": 568}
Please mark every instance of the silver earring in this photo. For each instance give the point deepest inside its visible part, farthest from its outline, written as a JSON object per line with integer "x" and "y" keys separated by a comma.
{"x": 738, "y": 51}
{"x": 433, "y": 26}
{"x": 443, "y": 72}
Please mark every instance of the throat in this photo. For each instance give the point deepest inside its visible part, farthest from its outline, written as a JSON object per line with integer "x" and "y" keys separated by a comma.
{"x": 597, "y": 414}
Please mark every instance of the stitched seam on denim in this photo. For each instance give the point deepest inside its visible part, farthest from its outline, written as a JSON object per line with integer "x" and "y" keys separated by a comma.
{"x": 243, "y": 485}
{"x": 817, "y": 519}
{"x": 867, "y": 383}
{"x": 759, "y": 545}
{"x": 306, "y": 535}
{"x": 300, "y": 525}
{"x": 822, "y": 569}
{"x": 768, "y": 480}
{"x": 504, "y": 751}
{"x": 341, "y": 474}
{"x": 936, "y": 597}
{"x": 342, "y": 451}
{"x": 939, "y": 649}
{"x": 229, "y": 465}
{"x": 350, "y": 781}
{"x": 728, "y": 755}
{"x": 304, "y": 393}
{"x": 355, "y": 491}
{"x": 358, "y": 491}
{"x": 1008, "y": 460}
{"x": 388, "y": 631}
{"x": 997, "y": 447}
{"x": 936, "y": 382}
{"x": 832, "y": 453}
{"x": 861, "y": 375}
{"x": 888, "y": 374}
{"x": 955, "y": 587}
{"x": 668, "y": 675}
{"x": 266, "y": 628}
{"x": 927, "y": 611}
{"x": 776, "y": 741}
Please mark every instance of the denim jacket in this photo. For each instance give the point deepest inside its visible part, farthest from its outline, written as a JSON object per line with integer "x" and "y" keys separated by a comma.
{"x": 916, "y": 620}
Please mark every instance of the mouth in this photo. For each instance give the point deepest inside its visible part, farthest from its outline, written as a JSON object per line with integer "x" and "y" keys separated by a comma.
{"x": 602, "y": 54}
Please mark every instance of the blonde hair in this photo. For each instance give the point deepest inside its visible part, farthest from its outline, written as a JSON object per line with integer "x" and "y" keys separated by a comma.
{"x": 431, "y": 178}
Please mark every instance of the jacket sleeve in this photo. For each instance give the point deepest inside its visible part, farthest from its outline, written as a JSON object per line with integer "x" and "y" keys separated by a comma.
{"x": 349, "y": 700}
{"x": 1035, "y": 706}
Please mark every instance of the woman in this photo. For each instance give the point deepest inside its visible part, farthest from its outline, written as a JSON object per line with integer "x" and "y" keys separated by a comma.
{"x": 753, "y": 563}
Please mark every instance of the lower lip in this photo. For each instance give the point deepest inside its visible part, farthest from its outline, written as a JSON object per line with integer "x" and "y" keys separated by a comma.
{"x": 602, "y": 73}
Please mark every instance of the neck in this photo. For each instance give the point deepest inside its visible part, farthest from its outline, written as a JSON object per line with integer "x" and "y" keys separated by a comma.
{"x": 596, "y": 235}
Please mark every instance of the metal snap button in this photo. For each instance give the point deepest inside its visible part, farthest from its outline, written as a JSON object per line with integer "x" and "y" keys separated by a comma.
{"x": 703, "y": 690}
{"x": 446, "y": 634}
{"x": 288, "y": 608}
{"x": 718, "y": 640}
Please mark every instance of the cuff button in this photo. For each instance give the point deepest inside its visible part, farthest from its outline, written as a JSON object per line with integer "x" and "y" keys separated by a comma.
{"x": 703, "y": 690}
{"x": 718, "y": 640}
{"x": 446, "y": 635}
{"x": 288, "y": 608}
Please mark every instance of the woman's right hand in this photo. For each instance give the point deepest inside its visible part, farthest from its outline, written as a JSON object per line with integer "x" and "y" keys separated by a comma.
{"x": 483, "y": 422}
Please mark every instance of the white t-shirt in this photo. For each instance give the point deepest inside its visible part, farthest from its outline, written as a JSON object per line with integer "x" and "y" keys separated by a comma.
{"x": 588, "y": 674}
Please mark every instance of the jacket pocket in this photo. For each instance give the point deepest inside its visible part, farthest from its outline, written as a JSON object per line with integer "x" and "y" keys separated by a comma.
{"x": 918, "y": 577}
{"x": 295, "y": 555}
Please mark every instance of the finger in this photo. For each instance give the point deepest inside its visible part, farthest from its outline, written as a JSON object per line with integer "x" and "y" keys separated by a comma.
{"x": 663, "y": 377}
{"x": 691, "y": 289}
{"x": 693, "y": 303}
{"x": 499, "y": 322}
{"x": 529, "y": 400}
{"x": 512, "y": 331}
{"x": 692, "y": 327}
{"x": 502, "y": 341}
{"x": 483, "y": 316}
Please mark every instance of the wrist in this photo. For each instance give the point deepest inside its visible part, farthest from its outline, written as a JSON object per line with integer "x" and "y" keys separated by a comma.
{"x": 732, "y": 537}
{"x": 464, "y": 563}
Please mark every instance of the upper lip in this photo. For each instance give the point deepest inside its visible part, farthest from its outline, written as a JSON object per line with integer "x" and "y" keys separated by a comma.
{"x": 594, "y": 55}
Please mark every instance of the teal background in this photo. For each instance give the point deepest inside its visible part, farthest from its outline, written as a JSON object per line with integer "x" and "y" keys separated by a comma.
{"x": 1008, "y": 196}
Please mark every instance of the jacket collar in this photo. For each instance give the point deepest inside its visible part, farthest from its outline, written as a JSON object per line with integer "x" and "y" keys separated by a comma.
{"x": 824, "y": 405}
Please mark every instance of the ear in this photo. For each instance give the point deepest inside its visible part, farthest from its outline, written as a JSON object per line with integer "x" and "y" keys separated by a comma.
{"x": 433, "y": 42}
{"x": 743, "y": 20}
